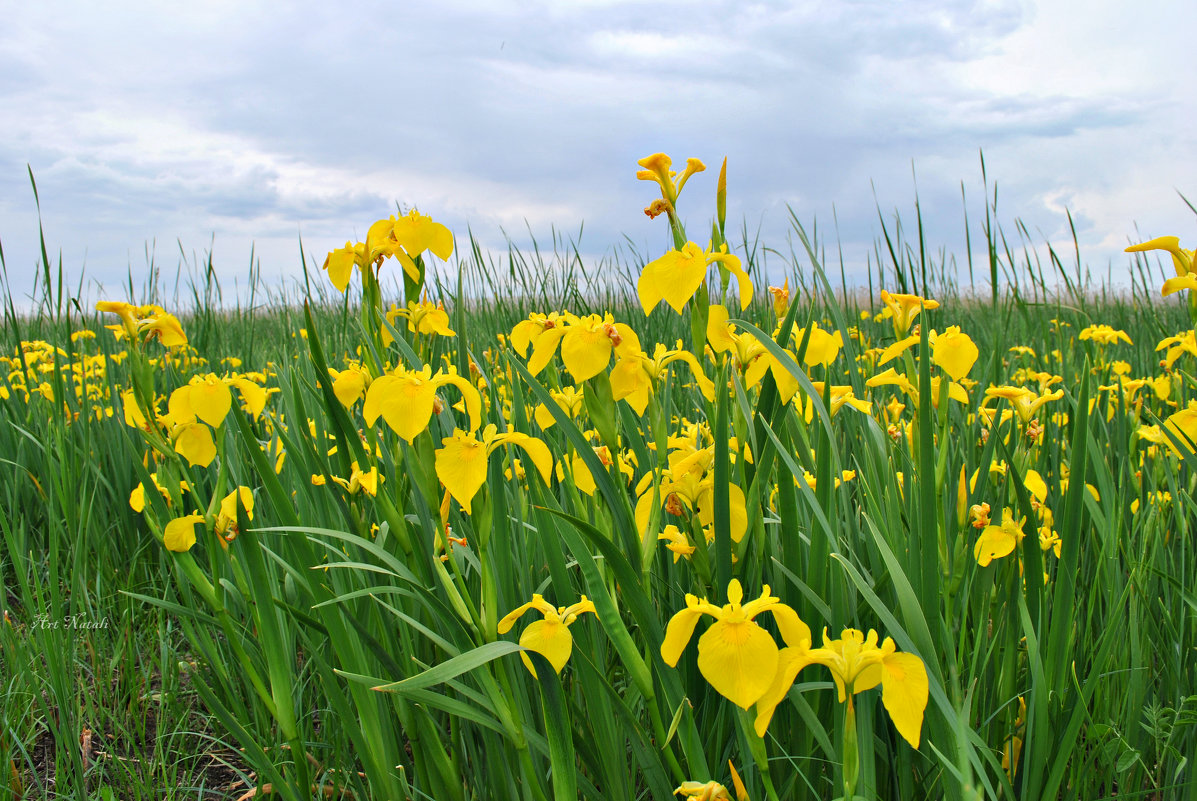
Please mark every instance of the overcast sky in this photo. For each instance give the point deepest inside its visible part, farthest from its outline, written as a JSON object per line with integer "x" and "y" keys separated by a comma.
{"x": 242, "y": 124}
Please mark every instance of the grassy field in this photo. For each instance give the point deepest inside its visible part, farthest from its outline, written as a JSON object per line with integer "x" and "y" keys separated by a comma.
{"x": 529, "y": 533}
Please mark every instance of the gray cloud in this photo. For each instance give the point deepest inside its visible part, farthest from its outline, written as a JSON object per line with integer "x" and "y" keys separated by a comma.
{"x": 255, "y": 126}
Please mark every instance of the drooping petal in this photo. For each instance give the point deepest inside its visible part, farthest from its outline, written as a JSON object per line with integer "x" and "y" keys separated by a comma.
{"x": 179, "y": 534}
{"x": 407, "y": 405}
{"x": 544, "y": 348}
{"x": 583, "y": 478}
{"x": 630, "y": 382}
{"x": 732, "y": 263}
{"x": 380, "y": 388}
{"x": 211, "y": 400}
{"x": 551, "y": 639}
{"x": 794, "y": 632}
{"x": 904, "y": 691}
{"x": 242, "y": 496}
{"x": 822, "y": 346}
{"x": 253, "y": 397}
{"x": 678, "y": 632}
{"x": 895, "y": 350}
{"x": 178, "y": 406}
{"x": 194, "y": 443}
{"x": 739, "y": 659}
{"x": 674, "y": 278}
{"x": 349, "y": 386}
{"x": 955, "y": 352}
{"x": 137, "y": 498}
{"x": 535, "y": 448}
{"x": 1173, "y": 285}
{"x": 738, "y": 510}
{"x": 134, "y": 417}
{"x": 515, "y": 614}
{"x": 469, "y": 395}
{"x": 994, "y": 543}
{"x": 461, "y": 467}
{"x": 585, "y": 352}
{"x": 790, "y": 663}
{"x": 1036, "y": 485}
{"x": 339, "y": 265}
{"x": 718, "y": 331}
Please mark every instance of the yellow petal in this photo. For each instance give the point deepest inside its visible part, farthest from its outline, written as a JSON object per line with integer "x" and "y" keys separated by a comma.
{"x": 469, "y": 395}
{"x": 1173, "y": 285}
{"x": 179, "y": 534}
{"x": 461, "y": 467}
{"x": 1036, "y": 485}
{"x": 737, "y": 507}
{"x": 536, "y": 449}
{"x": 743, "y": 281}
{"x": 509, "y": 619}
{"x": 194, "y": 443}
{"x": 179, "y": 406}
{"x": 678, "y": 633}
{"x": 674, "y": 278}
{"x": 544, "y": 348}
{"x": 380, "y": 388}
{"x": 349, "y": 386}
{"x": 794, "y": 632}
{"x": 549, "y": 638}
{"x": 406, "y": 405}
{"x": 994, "y": 543}
{"x": 242, "y": 496}
{"x": 630, "y": 382}
{"x": 895, "y": 350}
{"x": 718, "y": 333}
{"x": 789, "y": 663}
{"x": 583, "y": 479}
{"x": 904, "y": 690}
{"x": 137, "y": 498}
{"x": 585, "y": 352}
{"x": 253, "y": 397}
{"x": 211, "y": 400}
{"x": 955, "y": 353}
{"x": 134, "y": 417}
{"x": 339, "y": 264}
{"x": 739, "y": 659}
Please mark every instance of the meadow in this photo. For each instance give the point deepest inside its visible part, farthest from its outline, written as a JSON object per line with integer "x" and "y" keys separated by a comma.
{"x": 647, "y": 529}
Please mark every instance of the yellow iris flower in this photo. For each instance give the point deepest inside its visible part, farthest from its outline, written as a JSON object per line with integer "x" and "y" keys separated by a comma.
{"x": 406, "y": 238}
{"x": 902, "y": 309}
{"x": 677, "y": 275}
{"x": 549, "y": 637}
{"x": 735, "y": 655}
{"x": 461, "y": 463}
{"x": 857, "y": 664}
{"x": 998, "y": 541}
{"x": 1104, "y": 335}
{"x": 586, "y": 344}
{"x": 423, "y": 318}
{"x": 1026, "y": 402}
{"x": 636, "y": 374}
{"x": 406, "y": 400}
